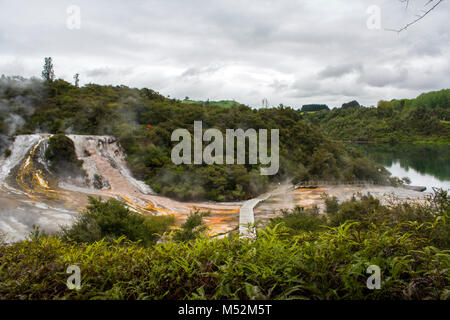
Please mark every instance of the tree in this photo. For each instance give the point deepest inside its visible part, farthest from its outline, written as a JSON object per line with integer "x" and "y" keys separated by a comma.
{"x": 47, "y": 73}
{"x": 314, "y": 107}
{"x": 193, "y": 228}
{"x": 76, "y": 78}
{"x": 111, "y": 219}
{"x": 351, "y": 104}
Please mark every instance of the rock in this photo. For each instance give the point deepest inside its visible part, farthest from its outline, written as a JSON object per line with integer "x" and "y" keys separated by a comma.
{"x": 100, "y": 182}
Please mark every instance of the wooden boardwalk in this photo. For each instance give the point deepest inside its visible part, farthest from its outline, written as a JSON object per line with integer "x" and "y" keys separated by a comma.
{"x": 246, "y": 214}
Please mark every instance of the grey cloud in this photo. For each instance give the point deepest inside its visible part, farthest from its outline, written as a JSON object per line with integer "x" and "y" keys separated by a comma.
{"x": 279, "y": 85}
{"x": 200, "y": 71}
{"x": 339, "y": 70}
{"x": 290, "y": 52}
{"x": 104, "y": 72}
{"x": 98, "y": 72}
{"x": 425, "y": 48}
{"x": 383, "y": 76}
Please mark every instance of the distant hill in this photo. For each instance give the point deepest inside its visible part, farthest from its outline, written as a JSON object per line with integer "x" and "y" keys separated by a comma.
{"x": 351, "y": 104}
{"x": 423, "y": 119}
{"x": 437, "y": 100}
{"x": 221, "y": 103}
{"x": 314, "y": 107}
{"x": 433, "y": 99}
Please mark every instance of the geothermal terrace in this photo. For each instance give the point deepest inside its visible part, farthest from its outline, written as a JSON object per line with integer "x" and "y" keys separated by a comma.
{"x": 29, "y": 194}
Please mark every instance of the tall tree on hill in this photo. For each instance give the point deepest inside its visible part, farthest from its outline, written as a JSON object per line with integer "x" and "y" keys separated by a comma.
{"x": 47, "y": 73}
{"x": 76, "y": 79}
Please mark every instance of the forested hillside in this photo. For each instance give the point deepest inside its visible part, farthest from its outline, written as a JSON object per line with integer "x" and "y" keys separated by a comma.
{"x": 424, "y": 119}
{"x": 221, "y": 103}
{"x": 143, "y": 120}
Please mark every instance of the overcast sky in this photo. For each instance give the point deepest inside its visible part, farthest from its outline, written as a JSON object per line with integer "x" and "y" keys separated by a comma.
{"x": 290, "y": 52}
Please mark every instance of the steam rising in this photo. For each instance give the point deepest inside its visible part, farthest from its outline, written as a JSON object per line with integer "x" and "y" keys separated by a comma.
{"x": 17, "y": 105}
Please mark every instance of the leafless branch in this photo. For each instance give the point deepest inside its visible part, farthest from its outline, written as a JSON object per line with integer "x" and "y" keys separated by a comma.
{"x": 419, "y": 16}
{"x": 407, "y": 3}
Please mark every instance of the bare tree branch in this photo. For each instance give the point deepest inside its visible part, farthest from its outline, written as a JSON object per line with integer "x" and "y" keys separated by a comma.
{"x": 419, "y": 16}
{"x": 407, "y": 3}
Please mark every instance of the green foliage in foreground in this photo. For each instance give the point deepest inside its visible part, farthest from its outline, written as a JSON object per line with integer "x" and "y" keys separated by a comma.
{"x": 325, "y": 265}
{"x": 330, "y": 263}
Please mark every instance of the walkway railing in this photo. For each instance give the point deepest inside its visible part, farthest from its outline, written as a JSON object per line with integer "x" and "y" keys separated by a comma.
{"x": 315, "y": 183}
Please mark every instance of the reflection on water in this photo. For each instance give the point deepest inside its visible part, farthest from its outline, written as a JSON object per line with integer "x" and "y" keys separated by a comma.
{"x": 424, "y": 165}
{"x": 417, "y": 178}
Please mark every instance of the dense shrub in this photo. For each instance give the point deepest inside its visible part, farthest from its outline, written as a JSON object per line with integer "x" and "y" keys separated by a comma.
{"x": 364, "y": 210}
{"x": 331, "y": 204}
{"x": 111, "y": 219}
{"x": 300, "y": 219}
{"x": 369, "y": 210}
{"x": 192, "y": 228}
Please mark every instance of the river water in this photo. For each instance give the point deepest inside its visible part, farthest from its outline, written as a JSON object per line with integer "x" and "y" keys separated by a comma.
{"x": 424, "y": 165}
